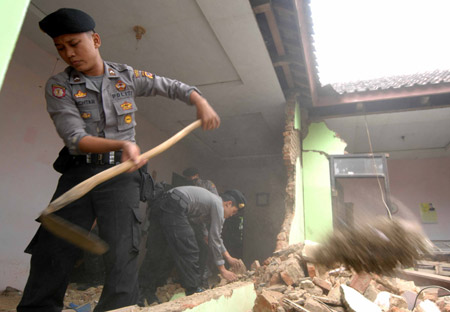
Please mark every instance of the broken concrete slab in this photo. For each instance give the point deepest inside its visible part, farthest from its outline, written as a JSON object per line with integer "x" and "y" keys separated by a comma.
{"x": 386, "y": 301}
{"x": 238, "y": 296}
{"x": 355, "y": 302}
{"x": 427, "y": 306}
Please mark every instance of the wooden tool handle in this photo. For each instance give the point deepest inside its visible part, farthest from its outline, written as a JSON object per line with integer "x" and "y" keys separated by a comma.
{"x": 84, "y": 187}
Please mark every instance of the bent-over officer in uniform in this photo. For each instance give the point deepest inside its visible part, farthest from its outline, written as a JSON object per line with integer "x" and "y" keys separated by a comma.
{"x": 92, "y": 105}
{"x": 174, "y": 211}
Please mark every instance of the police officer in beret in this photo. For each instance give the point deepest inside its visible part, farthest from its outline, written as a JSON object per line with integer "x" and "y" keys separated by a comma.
{"x": 92, "y": 104}
{"x": 174, "y": 212}
{"x": 193, "y": 176}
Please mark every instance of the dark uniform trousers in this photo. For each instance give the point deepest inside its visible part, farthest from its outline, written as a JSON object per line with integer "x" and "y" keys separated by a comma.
{"x": 115, "y": 204}
{"x": 180, "y": 240}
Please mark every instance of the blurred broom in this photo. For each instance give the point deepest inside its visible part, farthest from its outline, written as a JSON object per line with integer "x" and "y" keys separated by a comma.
{"x": 379, "y": 246}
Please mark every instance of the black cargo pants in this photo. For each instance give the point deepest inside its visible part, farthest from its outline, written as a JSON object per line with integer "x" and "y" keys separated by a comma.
{"x": 115, "y": 204}
{"x": 181, "y": 240}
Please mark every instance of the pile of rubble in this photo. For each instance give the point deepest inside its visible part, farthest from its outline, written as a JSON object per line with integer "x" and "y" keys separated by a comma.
{"x": 76, "y": 296}
{"x": 288, "y": 282}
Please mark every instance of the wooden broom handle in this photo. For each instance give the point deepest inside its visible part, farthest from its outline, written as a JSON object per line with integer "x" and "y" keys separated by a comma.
{"x": 84, "y": 187}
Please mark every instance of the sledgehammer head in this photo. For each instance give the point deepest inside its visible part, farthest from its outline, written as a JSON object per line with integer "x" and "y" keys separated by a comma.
{"x": 376, "y": 247}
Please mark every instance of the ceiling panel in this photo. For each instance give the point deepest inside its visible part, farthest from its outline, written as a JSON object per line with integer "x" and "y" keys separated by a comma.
{"x": 246, "y": 135}
{"x": 400, "y": 131}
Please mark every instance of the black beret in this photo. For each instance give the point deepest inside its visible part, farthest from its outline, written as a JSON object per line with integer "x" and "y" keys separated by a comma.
{"x": 66, "y": 21}
{"x": 239, "y": 198}
{"x": 189, "y": 172}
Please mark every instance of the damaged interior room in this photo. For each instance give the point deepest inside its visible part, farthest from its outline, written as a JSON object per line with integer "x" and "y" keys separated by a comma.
{"x": 240, "y": 155}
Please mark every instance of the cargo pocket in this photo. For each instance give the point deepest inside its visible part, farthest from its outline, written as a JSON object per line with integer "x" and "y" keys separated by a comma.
{"x": 136, "y": 229}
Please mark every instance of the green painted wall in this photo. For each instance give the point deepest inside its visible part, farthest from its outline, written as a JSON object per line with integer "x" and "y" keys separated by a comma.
{"x": 242, "y": 300}
{"x": 319, "y": 143}
{"x": 297, "y": 232}
{"x": 297, "y": 118}
{"x": 12, "y": 14}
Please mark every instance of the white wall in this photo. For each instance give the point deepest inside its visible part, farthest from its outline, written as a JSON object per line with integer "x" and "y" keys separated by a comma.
{"x": 416, "y": 181}
{"x": 29, "y": 145}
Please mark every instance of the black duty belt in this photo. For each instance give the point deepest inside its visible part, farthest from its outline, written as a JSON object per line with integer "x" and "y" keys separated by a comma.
{"x": 111, "y": 158}
{"x": 179, "y": 197}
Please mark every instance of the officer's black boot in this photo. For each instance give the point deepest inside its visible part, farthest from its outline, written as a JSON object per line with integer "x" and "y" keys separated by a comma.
{"x": 147, "y": 294}
{"x": 192, "y": 290}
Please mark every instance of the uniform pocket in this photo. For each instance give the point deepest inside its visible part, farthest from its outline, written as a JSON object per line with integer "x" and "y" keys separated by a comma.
{"x": 125, "y": 109}
{"x": 89, "y": 113}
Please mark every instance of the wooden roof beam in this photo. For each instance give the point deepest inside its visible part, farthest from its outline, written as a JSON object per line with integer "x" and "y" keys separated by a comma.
{"x": 266, "y": 8}
{"x": 307, "y": 48}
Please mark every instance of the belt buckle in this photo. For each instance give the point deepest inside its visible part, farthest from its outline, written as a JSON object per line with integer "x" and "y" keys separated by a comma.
{"x": 112, "y": 158}
{"x": 88, "y": 158}
{"x": 100, "y": 159}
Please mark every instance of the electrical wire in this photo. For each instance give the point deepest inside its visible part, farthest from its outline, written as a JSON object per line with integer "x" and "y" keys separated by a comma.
{"x": 433, "y": 286}
{"x": 374, "y": 165}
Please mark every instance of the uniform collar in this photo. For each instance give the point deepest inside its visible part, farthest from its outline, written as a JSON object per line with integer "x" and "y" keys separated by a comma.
{"x": 76, "y": 77}
{"x": 110, "y": 72}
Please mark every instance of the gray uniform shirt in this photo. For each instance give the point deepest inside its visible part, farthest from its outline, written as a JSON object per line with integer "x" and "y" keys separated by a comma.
{"x": 207, "y": 206}
{"x": 78, "y": 109}
{"x": 206, "y": 184}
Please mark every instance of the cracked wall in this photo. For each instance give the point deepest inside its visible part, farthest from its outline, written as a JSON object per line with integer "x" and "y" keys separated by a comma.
{"x": 292, "y": 230}
{"x": 308, "y": 203}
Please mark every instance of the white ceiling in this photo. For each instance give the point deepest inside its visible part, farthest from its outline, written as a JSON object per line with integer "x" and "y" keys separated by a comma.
{"x": 411, "y": 134}
{"x": 213, "y": 44}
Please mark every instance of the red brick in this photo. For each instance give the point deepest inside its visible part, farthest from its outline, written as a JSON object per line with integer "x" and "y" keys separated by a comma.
{"x": 311, "y": 269}
{"x": 325, "y": 285}
{"x": 360, "y": 282}
{"x": 275, "y": 279}
{"x": 267, "y": 301}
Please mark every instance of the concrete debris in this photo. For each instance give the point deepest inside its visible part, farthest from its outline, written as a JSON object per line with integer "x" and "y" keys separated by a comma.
{"x": 75, "y": 296}
{"x": 337, "y": 289}
{"x": 267, "y": 301}
{"x": 168, "y": 291}
{"x": 355, "y": 302}
{"x": 11, "y": 291}
{"x": 288, "y": 282}
{"x": 427, "y": 306}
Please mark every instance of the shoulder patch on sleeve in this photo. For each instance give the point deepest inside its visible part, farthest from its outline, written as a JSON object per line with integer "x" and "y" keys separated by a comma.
{"x": 136, "y": 73}
{"x": 147, "y": 74}
{"x": 58, "y": 91}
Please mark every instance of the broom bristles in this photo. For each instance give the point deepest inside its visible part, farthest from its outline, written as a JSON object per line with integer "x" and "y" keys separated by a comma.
{"x": 376, "y": 247}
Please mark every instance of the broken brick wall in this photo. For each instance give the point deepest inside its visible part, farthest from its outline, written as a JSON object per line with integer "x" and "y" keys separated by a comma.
{"x": 293, "y": 221}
